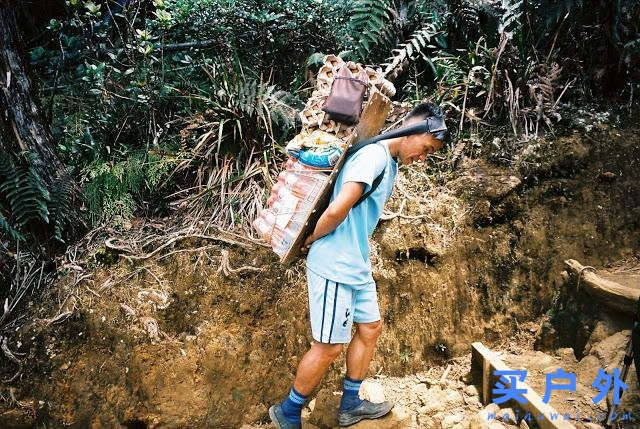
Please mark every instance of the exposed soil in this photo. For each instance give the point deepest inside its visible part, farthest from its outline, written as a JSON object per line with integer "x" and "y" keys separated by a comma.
{"x": 444, "y": 397}
{"x": 174, "y": 342}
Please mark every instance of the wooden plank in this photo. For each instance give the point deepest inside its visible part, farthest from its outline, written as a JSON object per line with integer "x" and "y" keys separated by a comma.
{"x": 486, "y": 361}
{"x": 374, "y": 114}
{"x": 606, "y": 292}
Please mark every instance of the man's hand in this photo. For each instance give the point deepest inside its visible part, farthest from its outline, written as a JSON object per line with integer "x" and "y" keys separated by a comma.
{"x": 307, "y": 244}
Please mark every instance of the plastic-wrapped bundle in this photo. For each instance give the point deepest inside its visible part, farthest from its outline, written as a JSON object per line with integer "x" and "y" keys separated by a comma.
{"x": 290, "y": 203}
{"x": 321, "y": 157}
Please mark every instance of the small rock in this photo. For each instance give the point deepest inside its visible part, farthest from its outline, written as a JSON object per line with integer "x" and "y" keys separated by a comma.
{"x": 372, "y": 392}
{"x": 462, "y": 425}
{"x": 474, "y": 401}
{"x": 425, "y": 421}
{"x": 453, "y": 398}
{"x": 431, "y": 399}
{"x": 325, "y": 411}
{"x": 451, "y": 420}
{"x": 439, "y": 416}
{"x": 567, "y": 354}
{"x": 524, "y": 424}
{"x": 471, "y": 390}
{"x": 540, "y": 360}
{"x": 483, "y": 418}
{"x": 479, "y": 421}
{"x": 466, "y": 378}
{"x": 420, "y": 388}
{"x": 492, "y": 408}
{"x": 507, "y": 416}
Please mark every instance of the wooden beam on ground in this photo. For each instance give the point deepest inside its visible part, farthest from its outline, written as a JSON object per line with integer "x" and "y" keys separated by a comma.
{"x": 484, "y": 362}
{"x": 606, "y": 292}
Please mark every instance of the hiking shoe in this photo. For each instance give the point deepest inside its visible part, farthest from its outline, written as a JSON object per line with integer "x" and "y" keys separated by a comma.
{"x": 278, "y": 418}
{"x": 366, "y": 410}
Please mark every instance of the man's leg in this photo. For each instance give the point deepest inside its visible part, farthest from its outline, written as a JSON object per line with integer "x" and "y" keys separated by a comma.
{"x": 328, "y": 302}
{"x": 359, "y": 356}
{"x": 368, "y": 328}
{"x": 361, "y": 349}
{"x": 366, "y": 317}
{"x": 314, "y": 365}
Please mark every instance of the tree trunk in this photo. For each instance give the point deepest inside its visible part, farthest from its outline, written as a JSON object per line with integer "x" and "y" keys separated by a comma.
{"x": 22, "y": 122}
{"x": 22, "y": 127}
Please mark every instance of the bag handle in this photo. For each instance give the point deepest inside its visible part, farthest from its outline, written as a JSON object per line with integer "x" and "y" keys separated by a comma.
{"x": 360, "y": 81}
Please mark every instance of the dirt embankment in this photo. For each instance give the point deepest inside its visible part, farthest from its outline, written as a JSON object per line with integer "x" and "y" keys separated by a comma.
{"x": 174, "y": 342}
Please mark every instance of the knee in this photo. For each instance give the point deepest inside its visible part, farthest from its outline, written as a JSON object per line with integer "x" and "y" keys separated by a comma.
{"x": 369, "y": 332}
{"x": 328, "y": 351}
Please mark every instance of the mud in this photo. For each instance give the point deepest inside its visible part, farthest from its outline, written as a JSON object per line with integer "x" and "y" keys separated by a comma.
{"x": 470, "y": 260}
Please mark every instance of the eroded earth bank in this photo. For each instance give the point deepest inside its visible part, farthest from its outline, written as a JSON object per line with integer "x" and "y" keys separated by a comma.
{"x": 206, "y": 334}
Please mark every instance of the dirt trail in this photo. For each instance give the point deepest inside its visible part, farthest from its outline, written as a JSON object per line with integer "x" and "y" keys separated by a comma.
{"x": 444, "y": 397}
{"x": 174, "y": 341}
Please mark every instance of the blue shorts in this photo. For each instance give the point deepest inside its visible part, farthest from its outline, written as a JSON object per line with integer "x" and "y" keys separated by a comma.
{"x": 334, "y": 307}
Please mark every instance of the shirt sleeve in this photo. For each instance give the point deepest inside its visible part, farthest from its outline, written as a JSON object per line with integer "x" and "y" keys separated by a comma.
{"x": 365, "y": 165}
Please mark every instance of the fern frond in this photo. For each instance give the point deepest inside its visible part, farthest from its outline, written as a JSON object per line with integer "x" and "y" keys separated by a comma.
{"x": 418, "y": 43}
{"x": 61, "y": 203}
{"x": 369, "y": 19}
{"x": 6, "y": 227}
{"x": 510, "y": 19}
{"x": 24, "y": 192}
{"x": 466, "y": 19}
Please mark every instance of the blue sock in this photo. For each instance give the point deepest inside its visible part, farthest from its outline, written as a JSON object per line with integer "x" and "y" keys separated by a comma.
{"x": 350, "y": 391}
{"x": 292, "y": 406}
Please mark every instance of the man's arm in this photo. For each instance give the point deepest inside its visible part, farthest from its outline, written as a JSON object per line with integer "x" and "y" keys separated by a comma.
{"x": 336, "y": 212}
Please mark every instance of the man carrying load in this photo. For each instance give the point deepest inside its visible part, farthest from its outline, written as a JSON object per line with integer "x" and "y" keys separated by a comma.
{"x": 342, "y": 291}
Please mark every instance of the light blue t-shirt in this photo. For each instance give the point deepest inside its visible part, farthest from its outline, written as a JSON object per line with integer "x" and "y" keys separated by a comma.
{"x": 343, "y": 255}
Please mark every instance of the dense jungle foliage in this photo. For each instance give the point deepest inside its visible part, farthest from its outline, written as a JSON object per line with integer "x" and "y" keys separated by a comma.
{"x": 163, "y": 106}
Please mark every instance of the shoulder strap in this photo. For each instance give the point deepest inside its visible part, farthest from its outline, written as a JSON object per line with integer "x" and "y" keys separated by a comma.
{"x": 374, "y": 186}
{"x": 430, "y": 125}
{"x": 377, "y": 180}
{"x": 400, "y": 132}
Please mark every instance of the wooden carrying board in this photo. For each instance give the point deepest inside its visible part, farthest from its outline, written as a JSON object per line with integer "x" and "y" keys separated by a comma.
{"x": 373, "y": 116}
